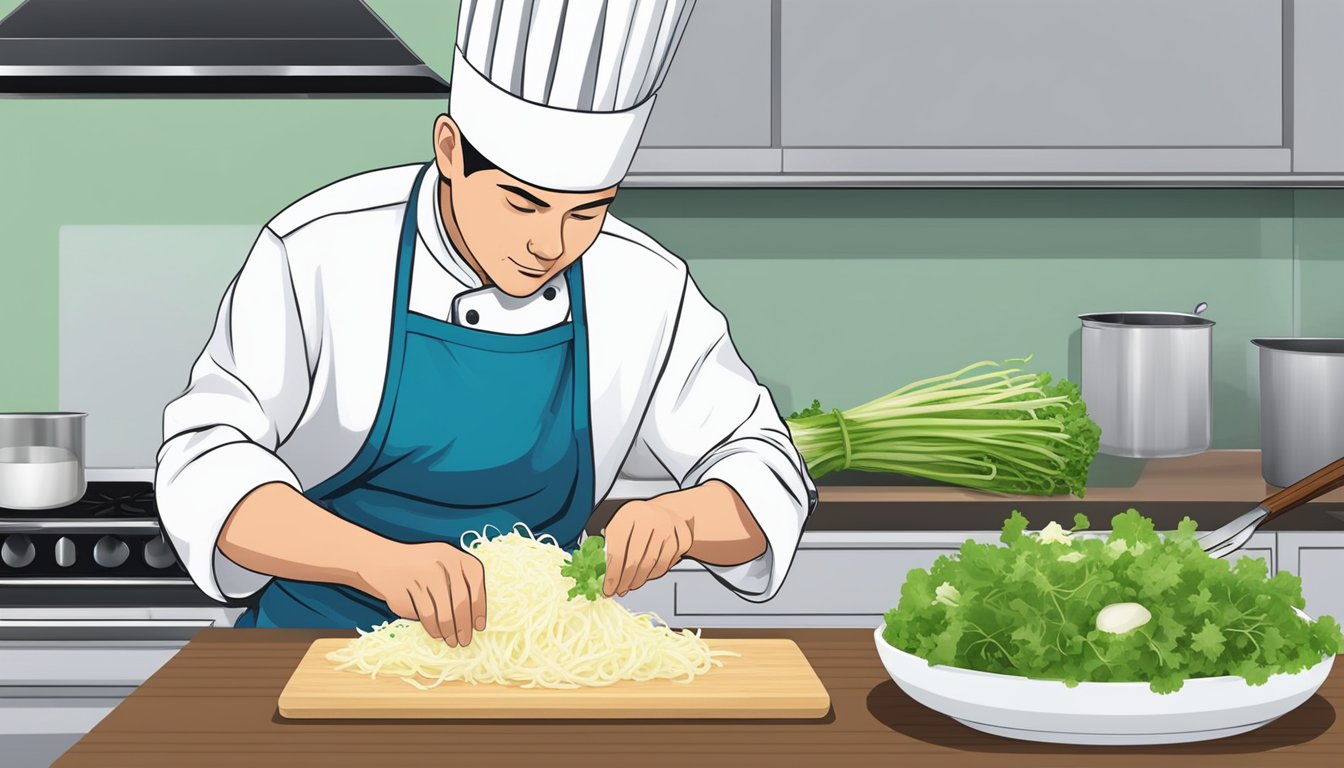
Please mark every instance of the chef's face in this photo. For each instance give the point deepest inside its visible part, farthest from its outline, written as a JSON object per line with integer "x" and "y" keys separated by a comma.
{"x": 519, "y": 235}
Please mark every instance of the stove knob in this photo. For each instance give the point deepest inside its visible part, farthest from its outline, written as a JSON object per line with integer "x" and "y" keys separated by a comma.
{"x": 158, "y": 554}
{"x": 65, "y": 552}
{"x": 18, "y": 551}
{"x": 110, "y": 552}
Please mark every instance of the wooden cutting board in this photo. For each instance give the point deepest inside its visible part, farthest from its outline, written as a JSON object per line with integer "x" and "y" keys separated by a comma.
{"x": 771, "y": 679}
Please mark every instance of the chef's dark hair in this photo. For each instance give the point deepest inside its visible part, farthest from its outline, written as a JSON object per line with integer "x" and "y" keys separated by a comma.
{"x": 473, "y": 160}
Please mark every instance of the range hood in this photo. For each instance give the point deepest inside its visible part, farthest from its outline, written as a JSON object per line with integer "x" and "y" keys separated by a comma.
{"x": 210, "y": 48}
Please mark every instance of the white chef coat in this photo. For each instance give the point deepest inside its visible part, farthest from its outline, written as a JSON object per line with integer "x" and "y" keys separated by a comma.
{"x": 288, "y": 385}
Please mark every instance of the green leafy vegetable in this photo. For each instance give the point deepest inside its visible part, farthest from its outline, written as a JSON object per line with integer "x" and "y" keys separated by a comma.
{"x": 1029, "y": 608}
{"x": 587, "y": 565}
{"x": 998, "y": 430}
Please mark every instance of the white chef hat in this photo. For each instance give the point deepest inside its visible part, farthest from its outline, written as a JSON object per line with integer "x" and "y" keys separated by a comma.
{"x": 557, "y": 92}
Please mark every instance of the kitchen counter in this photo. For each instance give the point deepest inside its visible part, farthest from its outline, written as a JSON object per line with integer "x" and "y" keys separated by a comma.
{"x": 1213, "y": 488}
{"x": 214, "y": 704}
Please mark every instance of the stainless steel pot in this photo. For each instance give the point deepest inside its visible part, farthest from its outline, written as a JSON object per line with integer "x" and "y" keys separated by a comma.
{"x": 1301, "y": 406}
{"x": 41, "y": 460}
{"x": 1147, "y": 381}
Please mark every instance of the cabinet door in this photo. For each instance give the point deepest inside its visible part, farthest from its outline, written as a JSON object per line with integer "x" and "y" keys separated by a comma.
{"x": 714, "y": 111}
{"x": 1318, "y": 70}
{"x": 1263, "y": 546}
{"x": 1317, "y": 557}
{"x": 1028, "y": 86}
{"x": 837, "y": 580}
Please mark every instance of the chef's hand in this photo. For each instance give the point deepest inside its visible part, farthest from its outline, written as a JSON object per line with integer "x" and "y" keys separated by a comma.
{"x": 435, "y": 583}
{"x": 644, "y": 540}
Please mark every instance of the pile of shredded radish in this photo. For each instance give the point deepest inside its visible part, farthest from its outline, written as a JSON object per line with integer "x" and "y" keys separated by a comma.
{"x": 535, "y": 636}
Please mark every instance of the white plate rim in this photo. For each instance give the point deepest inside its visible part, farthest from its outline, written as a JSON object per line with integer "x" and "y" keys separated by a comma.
{"x": 877, "y": 636}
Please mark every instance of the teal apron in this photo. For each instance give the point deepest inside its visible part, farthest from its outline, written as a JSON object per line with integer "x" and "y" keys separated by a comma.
{"x": 474, "y": 428}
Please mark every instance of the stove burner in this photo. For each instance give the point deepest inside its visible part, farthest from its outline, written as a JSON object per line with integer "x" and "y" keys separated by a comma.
{"x": 108, "y": 505}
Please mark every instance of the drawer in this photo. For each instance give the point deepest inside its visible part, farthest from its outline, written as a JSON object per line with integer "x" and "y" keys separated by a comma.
{"x": 833, "y": 575}
{"x": 1318, "y": 559}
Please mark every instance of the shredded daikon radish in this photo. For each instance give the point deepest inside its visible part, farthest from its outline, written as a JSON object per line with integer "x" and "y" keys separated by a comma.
{"x": 535, "y": 636}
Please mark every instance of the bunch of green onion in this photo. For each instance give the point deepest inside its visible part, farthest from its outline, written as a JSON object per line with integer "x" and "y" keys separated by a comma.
{"x": 986, "y": 426}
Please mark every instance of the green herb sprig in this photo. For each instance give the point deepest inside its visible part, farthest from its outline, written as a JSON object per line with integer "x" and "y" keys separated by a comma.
{"x": 587, "y": 566}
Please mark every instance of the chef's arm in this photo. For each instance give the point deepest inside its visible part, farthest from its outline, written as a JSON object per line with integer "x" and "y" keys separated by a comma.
{"x": 723, "y": 530}
{"x": 276, "y": 530}
{"x": 715, "y": 430}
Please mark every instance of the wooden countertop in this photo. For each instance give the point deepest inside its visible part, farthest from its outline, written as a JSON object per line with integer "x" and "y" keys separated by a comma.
{"x": 1213, "y": 488}
{"x": 214, "y": 704}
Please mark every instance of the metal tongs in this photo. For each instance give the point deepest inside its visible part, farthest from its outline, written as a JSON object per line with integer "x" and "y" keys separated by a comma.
{"x": 1233, "y": 536}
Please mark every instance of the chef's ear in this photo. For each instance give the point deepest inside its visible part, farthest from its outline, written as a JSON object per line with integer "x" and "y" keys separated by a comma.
{"x": 447, "y": 146}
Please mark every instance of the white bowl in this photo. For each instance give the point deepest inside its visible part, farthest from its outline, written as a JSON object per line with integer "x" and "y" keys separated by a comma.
{"x": 1098, "y": 713}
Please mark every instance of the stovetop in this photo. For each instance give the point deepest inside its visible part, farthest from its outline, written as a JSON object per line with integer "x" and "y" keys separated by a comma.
{"x": 102, "y": 500}
{"x": 111, "y": 536}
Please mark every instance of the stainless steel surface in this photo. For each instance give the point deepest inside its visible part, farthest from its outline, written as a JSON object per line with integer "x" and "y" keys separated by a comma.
{"x": 104, "y": 334}
{"x": 1301, "y": 406}
{"x": 207, "y": 48}
{"x": 159, "y": 553}
{"x": 41, "y": 460}
{"x": 102, "y": 630}
{"x": 1147, "y": 382}
{"x": 119, "y": 474}
{"x": 76, "y": 525}
{"x": 65, "y": 552}
{"x": 17, "y": 551}
{"x": 1223, "y": 541}
{"x": 237, "y": 70}
{"x": 110, "y": 552}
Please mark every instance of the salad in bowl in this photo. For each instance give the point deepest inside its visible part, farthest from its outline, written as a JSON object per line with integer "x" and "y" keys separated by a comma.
{"x": 1130, "y": 637}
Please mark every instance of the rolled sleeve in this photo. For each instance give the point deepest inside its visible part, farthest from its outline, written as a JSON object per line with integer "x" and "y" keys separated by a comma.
{"x": 765, "y": 490}
{"x": 198, "y": 498}
{"x": 247, "y": 391}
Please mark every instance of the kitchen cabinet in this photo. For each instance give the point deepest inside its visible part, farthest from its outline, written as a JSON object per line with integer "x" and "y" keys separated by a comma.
{"x": 991, "y": 93}
{"x": 714, "y": 111}
{"x": 1054, "y": 86}
{"x": 34, "y": 751}
{"x": 1318, "y": 69}
{"x": 64, "y": 668}
{"x": 838, "y": 579}
{"x": 1317, "y": 557}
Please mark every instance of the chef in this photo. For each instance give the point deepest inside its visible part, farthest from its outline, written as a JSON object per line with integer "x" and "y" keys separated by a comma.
{"x": 416, "y": 352}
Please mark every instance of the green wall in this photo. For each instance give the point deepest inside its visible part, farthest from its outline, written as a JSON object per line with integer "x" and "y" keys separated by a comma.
{"x": 835, "y": 294}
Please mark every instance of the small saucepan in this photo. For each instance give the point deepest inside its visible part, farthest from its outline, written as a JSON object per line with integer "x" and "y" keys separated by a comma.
{"x": 41, "y": 460}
